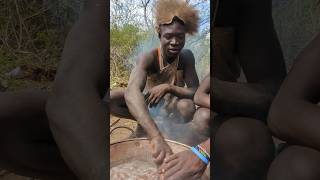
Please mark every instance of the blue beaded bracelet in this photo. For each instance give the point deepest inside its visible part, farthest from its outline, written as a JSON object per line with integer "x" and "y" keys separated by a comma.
{"x": 204, "y": 159}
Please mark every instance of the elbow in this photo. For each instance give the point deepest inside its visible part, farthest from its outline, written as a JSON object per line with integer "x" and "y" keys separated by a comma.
{"x": 129, "y": 95}
{"x": 52, "y": 108}
{"x": 55, "y": 108}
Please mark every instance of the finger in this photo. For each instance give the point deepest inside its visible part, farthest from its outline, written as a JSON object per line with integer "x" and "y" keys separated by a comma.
{"x": 146, "y": 96}
{"x": 158, "y": 160}
{"x": 170, "y": 158}
{"x": 167, "y": 166}
{"x": 154, "y": 151}
{"x": 150, "y": 98}
{"x": 181, "y": 174}
{"x": 161, "y": 176}
{"x": 157, "y": 99}
{"x": 196, "y": 176}
{"x": 169, "y": 150}
{"x": 176, "y": 177}
{"x": 172, "y": 171}
{"x": 153, "y": 100}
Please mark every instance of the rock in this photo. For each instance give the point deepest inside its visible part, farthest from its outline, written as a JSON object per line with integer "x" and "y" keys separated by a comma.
{"x": 15, "y": 73}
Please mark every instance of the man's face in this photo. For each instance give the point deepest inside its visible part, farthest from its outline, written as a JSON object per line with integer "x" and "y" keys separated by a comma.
{"x": 172, "y": 38}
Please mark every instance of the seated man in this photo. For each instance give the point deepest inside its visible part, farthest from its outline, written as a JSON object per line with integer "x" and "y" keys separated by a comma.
{"x": 294, "y": 118}
{"x": 168, "y": 68}
{"x": 61, "y": 135}
{"x": 160, "y": 76}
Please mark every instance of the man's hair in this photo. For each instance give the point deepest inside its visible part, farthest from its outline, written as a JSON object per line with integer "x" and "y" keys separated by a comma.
{"x": 174, "y": 19}
{"x": 167, "y": 10}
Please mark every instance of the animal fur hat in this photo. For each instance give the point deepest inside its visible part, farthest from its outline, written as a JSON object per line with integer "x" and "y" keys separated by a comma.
{"x": 166, "y": 10}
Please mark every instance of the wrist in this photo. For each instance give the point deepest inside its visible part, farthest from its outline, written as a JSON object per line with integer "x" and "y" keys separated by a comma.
{"x": 169, "y": 88}
{"x": 206, "y": 146}
{"x": 201, "y": 154}
{"x": 155, "y": 135}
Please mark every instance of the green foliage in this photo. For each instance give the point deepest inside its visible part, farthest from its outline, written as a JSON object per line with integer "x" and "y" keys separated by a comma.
{"x": 125, "y": 38}
{"x": 123, "y": 41}
{"x": 28, "y": 37}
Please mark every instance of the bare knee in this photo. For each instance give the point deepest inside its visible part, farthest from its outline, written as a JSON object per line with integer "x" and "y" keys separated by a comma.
{"x": 202, "y": 118}
{"x": 243, "y": 146}
{"x": 243, "y": 131}
{"x": 296, "y": 163}
{"x": 186, "y": 108}
{"x": 117, "y": 94}
{"x": 117, "y": 97}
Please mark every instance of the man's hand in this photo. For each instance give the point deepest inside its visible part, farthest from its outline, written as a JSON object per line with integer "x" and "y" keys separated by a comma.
{"x": 159, "y": 149}
{"x": 156, "y": 93}
{"x": 183, "y": 165}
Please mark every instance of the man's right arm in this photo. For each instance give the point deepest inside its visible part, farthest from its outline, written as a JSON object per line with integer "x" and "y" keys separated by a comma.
{"x": 135, "y": 99}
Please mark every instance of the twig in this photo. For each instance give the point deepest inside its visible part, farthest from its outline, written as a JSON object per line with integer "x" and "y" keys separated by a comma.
{"x": 122, "y": 127}
{"x": 36, "y": 14}
{"x": 20, "y": 23}
{"x": 115, "y": 122}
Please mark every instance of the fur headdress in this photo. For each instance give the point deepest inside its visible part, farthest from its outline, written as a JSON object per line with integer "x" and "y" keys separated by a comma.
{"x": 166, "y": 10}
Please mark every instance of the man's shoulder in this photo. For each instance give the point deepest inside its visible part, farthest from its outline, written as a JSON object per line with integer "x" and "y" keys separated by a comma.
{"x": 146, "y": 59}
{"x": 186, "y": 52}
{"x": 148, "y": 55}
{"x": 186, "y": 55}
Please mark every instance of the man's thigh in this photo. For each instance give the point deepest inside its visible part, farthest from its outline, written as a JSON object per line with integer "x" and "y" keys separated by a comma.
{"x": 27, "y": 147}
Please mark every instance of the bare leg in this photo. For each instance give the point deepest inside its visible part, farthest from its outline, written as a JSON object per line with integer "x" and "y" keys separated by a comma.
{"x": 186, "y": 109}
{"x": 118, "y": 105}
{"x": 243, "y": 150}
{"x": 26, "y": 143}
{"x": 296, "y": 163}
{"x": 201, "y": 120}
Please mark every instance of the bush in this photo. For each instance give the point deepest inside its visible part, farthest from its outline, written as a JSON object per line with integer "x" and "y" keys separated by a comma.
{"x": 123, "y": 41}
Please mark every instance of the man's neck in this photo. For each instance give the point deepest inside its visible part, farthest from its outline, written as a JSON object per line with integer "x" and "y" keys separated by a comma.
{"x": 169, "y": 60}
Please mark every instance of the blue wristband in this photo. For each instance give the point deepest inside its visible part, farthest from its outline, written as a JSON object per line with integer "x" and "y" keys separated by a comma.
{"x": 205, "y": 160}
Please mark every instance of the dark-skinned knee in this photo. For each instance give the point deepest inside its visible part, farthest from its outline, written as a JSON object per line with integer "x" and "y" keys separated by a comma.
{"x": 117, "y": 94}
{"x": 242, "y": 146}
{"x": 201, "y": 118}
{"x": 296, "y": 163}
{"x": 186, "y": 108}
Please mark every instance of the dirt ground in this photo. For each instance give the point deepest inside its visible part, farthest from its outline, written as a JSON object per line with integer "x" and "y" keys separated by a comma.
{"x": 121, "y": 132}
